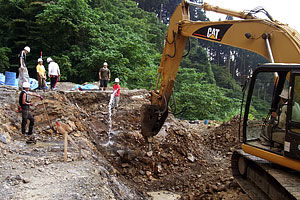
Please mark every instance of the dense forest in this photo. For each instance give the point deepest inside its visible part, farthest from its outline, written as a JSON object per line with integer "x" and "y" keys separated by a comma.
{"x": 81, "y": 34}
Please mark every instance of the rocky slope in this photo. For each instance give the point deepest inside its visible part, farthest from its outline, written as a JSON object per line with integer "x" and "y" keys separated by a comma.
{"x": 190, "y": 161}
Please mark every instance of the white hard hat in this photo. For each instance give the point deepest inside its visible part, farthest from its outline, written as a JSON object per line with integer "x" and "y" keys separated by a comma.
{"x": 117, "y": 80}
{"x": 105, "y": 63}
{"x": 40, "y": 60}
{"x": 49, "y": 59}
{"x": 27, "y": 48}
{"x": 26, "y": 85}
{"x": 284, "y": 94}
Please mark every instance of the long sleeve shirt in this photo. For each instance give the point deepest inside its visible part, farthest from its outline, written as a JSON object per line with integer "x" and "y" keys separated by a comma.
{"x": 53, "y": 69}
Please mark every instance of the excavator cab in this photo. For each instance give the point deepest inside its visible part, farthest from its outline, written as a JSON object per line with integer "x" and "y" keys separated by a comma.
{"x": 271, "y": 134}
{"x": 272, "y": 112}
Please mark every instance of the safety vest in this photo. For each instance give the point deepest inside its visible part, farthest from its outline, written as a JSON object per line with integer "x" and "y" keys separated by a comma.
{"x": 21, "y": 98}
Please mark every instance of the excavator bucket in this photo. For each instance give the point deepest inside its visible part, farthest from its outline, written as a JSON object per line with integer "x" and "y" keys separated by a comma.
{"x": 152, "y": 120}
{"x": 149, "y": 118}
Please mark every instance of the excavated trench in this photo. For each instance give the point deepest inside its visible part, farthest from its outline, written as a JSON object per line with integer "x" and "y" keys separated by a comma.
{"x": 188, "y": 161}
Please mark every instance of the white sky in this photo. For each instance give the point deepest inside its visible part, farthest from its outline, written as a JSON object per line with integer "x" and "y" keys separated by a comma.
{"x": 287, "y": 11}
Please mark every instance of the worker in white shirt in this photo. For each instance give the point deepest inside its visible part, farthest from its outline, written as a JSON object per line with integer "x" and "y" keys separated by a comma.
{"x": 23, "y": 71}
{"x": 53, "y": 72}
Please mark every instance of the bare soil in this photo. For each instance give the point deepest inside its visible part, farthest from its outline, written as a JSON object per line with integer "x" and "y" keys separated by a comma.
{"x": 189, "y": 159}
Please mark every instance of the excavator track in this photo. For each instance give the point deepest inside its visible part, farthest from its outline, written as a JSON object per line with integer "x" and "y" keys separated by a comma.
{"x": 261, "y": 179}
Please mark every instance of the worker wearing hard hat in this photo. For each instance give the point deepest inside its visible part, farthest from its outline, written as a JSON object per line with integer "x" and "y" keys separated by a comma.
{"x": 41, "y": 74}
{"x": 53, "y": 72}
{"x": 104, "y": 76}
{"x": 24, "y": 104}
{"x": 283, "y": 110}
{"x": 116, "y": 92}
{"x": 23, "y": 71}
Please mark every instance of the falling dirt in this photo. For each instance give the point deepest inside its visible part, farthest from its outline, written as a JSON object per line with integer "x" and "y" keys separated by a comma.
{"x": 188, "y": 160}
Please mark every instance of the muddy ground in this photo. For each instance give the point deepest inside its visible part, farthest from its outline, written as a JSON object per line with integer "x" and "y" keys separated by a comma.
{"x": 189, "y": 160}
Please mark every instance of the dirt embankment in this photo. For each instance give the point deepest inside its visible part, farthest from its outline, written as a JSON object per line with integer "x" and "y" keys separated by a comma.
{"x": 191, "y": 160}
{"x": 37, "y": 171}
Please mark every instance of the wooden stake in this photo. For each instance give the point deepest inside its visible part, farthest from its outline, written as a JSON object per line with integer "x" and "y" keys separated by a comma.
{"x": 68, "y": 138}
{"x": 66, "y": 147}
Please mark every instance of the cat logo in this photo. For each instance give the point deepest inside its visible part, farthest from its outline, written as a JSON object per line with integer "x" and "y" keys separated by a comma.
{"x": 215, "y": 32}
{"x": 212, "y": 33}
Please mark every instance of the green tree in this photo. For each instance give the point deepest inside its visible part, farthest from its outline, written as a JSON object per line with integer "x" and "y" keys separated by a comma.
{"x": 197, "y": 59}
{"x": 198, "y": 99}
{"x": 4, "y": 59}
{"x": 224, "y": 79}
{"x": 81, "y": 34}
{"x": 18, "y": 28}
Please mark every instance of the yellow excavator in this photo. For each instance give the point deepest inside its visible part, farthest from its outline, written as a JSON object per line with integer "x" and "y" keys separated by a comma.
{"x": 268, "y": 164}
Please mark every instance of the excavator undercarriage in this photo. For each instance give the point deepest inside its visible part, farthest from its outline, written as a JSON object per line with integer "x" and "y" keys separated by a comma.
{"x": 261, "y": 179}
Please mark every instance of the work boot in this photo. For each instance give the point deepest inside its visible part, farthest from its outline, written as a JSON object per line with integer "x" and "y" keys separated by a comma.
{"x": 31, "y": 140}
{"x": 30, "y": 131}
{"x": 23, "y": 131}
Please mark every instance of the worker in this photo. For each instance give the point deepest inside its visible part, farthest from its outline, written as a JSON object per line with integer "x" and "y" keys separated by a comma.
{"x": 25, "y": 103}
{"x": 116, "y": 91}
{"x": 283, "y": 110}
{"x": 41, "y": 74}
{"x": 53, "y": 72}
{"x": 104, "y": 76}
{"x": 276, "y": 127}
{"x": 23, "y": 71}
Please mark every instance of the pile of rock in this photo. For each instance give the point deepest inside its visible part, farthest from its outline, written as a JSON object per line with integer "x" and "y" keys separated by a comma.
{"x": 40, "y": 166}
{"x": 190, "y": 159}
{"x": 185, "y": 158}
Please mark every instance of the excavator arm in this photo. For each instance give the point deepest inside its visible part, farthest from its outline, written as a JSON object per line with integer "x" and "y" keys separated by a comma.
{"x": 275, "y": 41}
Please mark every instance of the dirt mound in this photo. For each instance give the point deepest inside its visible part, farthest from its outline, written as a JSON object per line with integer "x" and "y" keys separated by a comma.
{"x": 191, "y": 160}
{"x": 225, "y": 137}
{"x": 37, "y": 171}
{"x": 187, "y": 159}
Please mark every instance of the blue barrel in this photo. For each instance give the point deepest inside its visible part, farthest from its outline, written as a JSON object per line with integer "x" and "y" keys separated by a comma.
{"x": 10, "y": 78}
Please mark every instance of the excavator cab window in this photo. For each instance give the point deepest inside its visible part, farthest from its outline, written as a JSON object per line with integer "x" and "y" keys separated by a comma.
{"x": 260, "y": 109}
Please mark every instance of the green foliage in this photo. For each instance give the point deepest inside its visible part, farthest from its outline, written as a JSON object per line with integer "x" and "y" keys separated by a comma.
{"x": 18, "y": 27}
{"x": 80, "y": 35}
{"x": 4, "y": 60}
{"x": 197, "y": 59}
{"x": 123, "y": 39}
{"x": 259, "y": 108}
{"x": 198, "y": 99}
{"x": 205, "y": 91}
{"x": 224, "y": 78}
